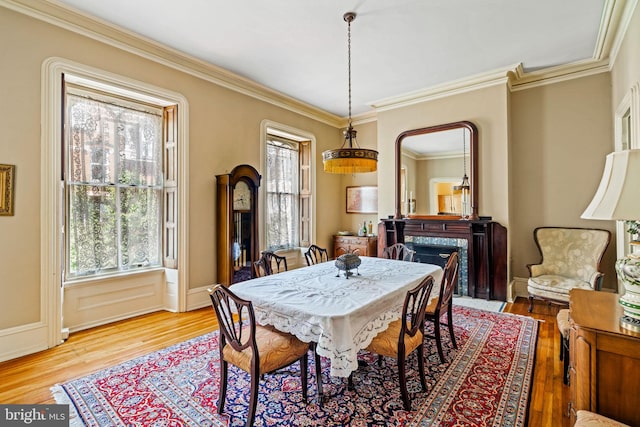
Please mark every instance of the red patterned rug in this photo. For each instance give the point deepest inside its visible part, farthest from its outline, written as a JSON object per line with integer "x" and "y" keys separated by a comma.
{"x": 485, "y": 382}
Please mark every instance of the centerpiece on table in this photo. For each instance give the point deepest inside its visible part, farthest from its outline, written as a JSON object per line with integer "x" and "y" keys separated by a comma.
{"x": 347, "y": 263}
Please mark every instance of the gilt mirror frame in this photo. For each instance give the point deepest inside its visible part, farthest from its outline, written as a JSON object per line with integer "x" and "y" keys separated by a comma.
{"x": 473, "y": 164}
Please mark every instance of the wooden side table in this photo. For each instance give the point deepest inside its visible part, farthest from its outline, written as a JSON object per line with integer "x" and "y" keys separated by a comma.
{"x": 360, "y": 245}
{"x": 605, "y": 358}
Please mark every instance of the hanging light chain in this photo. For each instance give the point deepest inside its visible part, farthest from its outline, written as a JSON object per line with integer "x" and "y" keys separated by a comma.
{"x": 349, "y": 18}
{"x": 350, "y": 158}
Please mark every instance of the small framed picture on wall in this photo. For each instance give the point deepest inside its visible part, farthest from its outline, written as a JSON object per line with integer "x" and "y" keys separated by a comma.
{"x": 362, "y": 199}
{"x": 7, "y": 176}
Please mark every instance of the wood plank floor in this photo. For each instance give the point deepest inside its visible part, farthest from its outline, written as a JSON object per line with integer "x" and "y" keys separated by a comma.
{"x": 28, "y": 379}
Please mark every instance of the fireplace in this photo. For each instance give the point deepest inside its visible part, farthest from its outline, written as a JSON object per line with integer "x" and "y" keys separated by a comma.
{"x": 481, "y": 244}
{"x": 436, "y": 250}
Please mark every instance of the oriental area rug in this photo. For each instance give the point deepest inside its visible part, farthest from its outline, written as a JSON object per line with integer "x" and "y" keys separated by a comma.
{"x": 485, "y": 382}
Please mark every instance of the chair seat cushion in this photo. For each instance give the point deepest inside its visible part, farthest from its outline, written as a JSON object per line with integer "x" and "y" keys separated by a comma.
{"x": 590, "y": 419}
{"x": 555, "y": 287}
{"x": 386, "y": 342}
{"x": 277, "y": 349}
{"x": 563, "y": 322}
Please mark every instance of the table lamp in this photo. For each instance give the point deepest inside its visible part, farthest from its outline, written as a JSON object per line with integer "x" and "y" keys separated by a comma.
{"x": 618, "y": 198}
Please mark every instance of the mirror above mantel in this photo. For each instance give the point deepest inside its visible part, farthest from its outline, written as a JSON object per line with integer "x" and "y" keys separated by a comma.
{"x": 430, "y": 165}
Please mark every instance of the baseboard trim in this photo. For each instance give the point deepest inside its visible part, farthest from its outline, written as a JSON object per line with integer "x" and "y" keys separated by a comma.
{"x": 23, "y": 340}
{"x": 517, "y": 288}
{"x": 198, "y": 298}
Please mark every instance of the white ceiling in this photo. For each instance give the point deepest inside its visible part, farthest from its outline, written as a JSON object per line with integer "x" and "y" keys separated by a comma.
{"x": 299, "y": 47}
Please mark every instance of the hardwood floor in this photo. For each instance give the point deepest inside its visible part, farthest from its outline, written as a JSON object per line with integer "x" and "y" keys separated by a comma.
{"x": 28, "y": 379}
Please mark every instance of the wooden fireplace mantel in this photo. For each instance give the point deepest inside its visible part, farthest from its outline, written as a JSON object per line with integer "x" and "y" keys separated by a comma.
{"x": 486, "y": 248}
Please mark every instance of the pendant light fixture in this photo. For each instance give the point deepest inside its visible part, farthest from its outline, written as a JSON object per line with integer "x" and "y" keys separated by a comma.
{"x": 350, "y": 158}
{"x": 464, "y": 186}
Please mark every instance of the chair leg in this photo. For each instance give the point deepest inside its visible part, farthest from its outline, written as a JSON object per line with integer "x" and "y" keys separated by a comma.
{"x": 318, "y": 376}
{"x": 253, "y": 400}
{"x": 436, "y": 330}
{"x": 421, "y": 367}
{"x": 403, "y": 381}
{"x": 450, "y": 322}
{"x": 565, "y": 365}
{"x": 304, "y": 363}
{"x": 530, "y": 309}
{"x": 223, "y": 385}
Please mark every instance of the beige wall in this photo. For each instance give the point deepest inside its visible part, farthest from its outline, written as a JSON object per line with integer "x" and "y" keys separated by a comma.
{"x": 541, "y": 150}
{"x": 487, "y": 108}
{"x": 560, "y": 135}
{"x": 541, "y": 153}
{"x": 367, "y": 138}
{"x": 224, "y": 129}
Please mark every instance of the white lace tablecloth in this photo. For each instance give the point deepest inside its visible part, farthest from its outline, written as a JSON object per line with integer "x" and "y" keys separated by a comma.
{"x": 341, "y": 315}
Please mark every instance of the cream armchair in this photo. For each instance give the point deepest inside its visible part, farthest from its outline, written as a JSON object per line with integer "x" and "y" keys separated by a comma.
{"x": 570, "y": 259}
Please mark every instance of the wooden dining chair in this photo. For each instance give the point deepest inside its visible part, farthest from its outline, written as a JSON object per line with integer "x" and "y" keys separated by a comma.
{"x": 274, "y": 263}
{"x": 315, "y": 255}
{"x": 405, "y": 335}
{"x": 444, "y": 304}
{"x": 255, "y": 349}
{"x": 398, "y": 251}
{"x": 260, "y": 268}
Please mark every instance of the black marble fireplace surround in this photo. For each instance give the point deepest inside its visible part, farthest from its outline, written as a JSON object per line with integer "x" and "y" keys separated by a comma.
{"x": 486, "y": 249}
{"x": 439, "y": 255}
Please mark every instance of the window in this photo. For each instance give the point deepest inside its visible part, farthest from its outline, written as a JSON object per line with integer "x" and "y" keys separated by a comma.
{"x": 114, "y": 173}
{"x": 288, "y": 192}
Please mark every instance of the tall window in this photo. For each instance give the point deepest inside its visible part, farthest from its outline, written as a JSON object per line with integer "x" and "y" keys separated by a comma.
{"x": 288, "y": 193}
{"x": 114, "y": 183}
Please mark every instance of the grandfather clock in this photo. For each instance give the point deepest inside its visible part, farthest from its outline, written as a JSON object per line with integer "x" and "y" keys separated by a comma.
{"x": 237, "y": 224}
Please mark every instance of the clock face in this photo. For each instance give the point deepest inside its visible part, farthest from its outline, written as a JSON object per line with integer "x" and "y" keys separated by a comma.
{"x": 241, "y": 197}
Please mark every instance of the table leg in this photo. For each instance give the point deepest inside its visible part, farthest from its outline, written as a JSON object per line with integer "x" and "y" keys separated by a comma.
{"x": 318, "y": 376}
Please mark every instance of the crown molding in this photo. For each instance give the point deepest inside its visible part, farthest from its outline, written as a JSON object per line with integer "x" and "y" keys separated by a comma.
{"x": 610, "y": 18}
{"x": 522, "y": 80}
{"x": 62, "y": 16}
{"x": 360, "y": 119}
{"x": 613, "y": 26}
{"x": 468, "y": 84}
{"x": 622, "y": 24}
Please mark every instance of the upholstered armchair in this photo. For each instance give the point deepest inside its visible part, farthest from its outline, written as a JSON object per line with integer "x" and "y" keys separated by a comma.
{"x": 570, "y": 259}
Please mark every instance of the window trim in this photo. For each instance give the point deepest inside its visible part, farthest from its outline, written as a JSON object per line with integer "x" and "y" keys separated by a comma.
{"x": 51, "y": 189}
{"x": 292, "y": 133}
{"x": 627, "y": 114}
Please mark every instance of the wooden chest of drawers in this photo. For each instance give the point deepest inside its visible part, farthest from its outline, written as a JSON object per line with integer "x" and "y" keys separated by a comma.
{"x": 605, "y": 358}
{"x": 365, "y": 246}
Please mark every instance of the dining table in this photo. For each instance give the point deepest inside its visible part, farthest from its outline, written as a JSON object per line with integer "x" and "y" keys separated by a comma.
{"x": 338, "y": 313}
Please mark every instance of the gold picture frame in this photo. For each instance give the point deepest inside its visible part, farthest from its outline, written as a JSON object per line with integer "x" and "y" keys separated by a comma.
{"x": 7, "y": 178}
{"x": 362, "y": 199}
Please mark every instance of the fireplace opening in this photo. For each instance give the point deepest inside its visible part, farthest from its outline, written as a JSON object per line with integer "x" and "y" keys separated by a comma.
{"x": 438, "y": 255}
{"x": 437, "y": 250}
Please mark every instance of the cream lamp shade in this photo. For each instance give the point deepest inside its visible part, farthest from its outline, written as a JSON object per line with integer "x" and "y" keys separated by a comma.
{"x": 618, "y": 198}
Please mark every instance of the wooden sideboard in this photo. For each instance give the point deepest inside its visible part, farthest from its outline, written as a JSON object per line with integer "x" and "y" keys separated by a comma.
{"x": 604, "y": 367}
{"x": 361, "y": 245}
{"x": 486, "y": 248}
